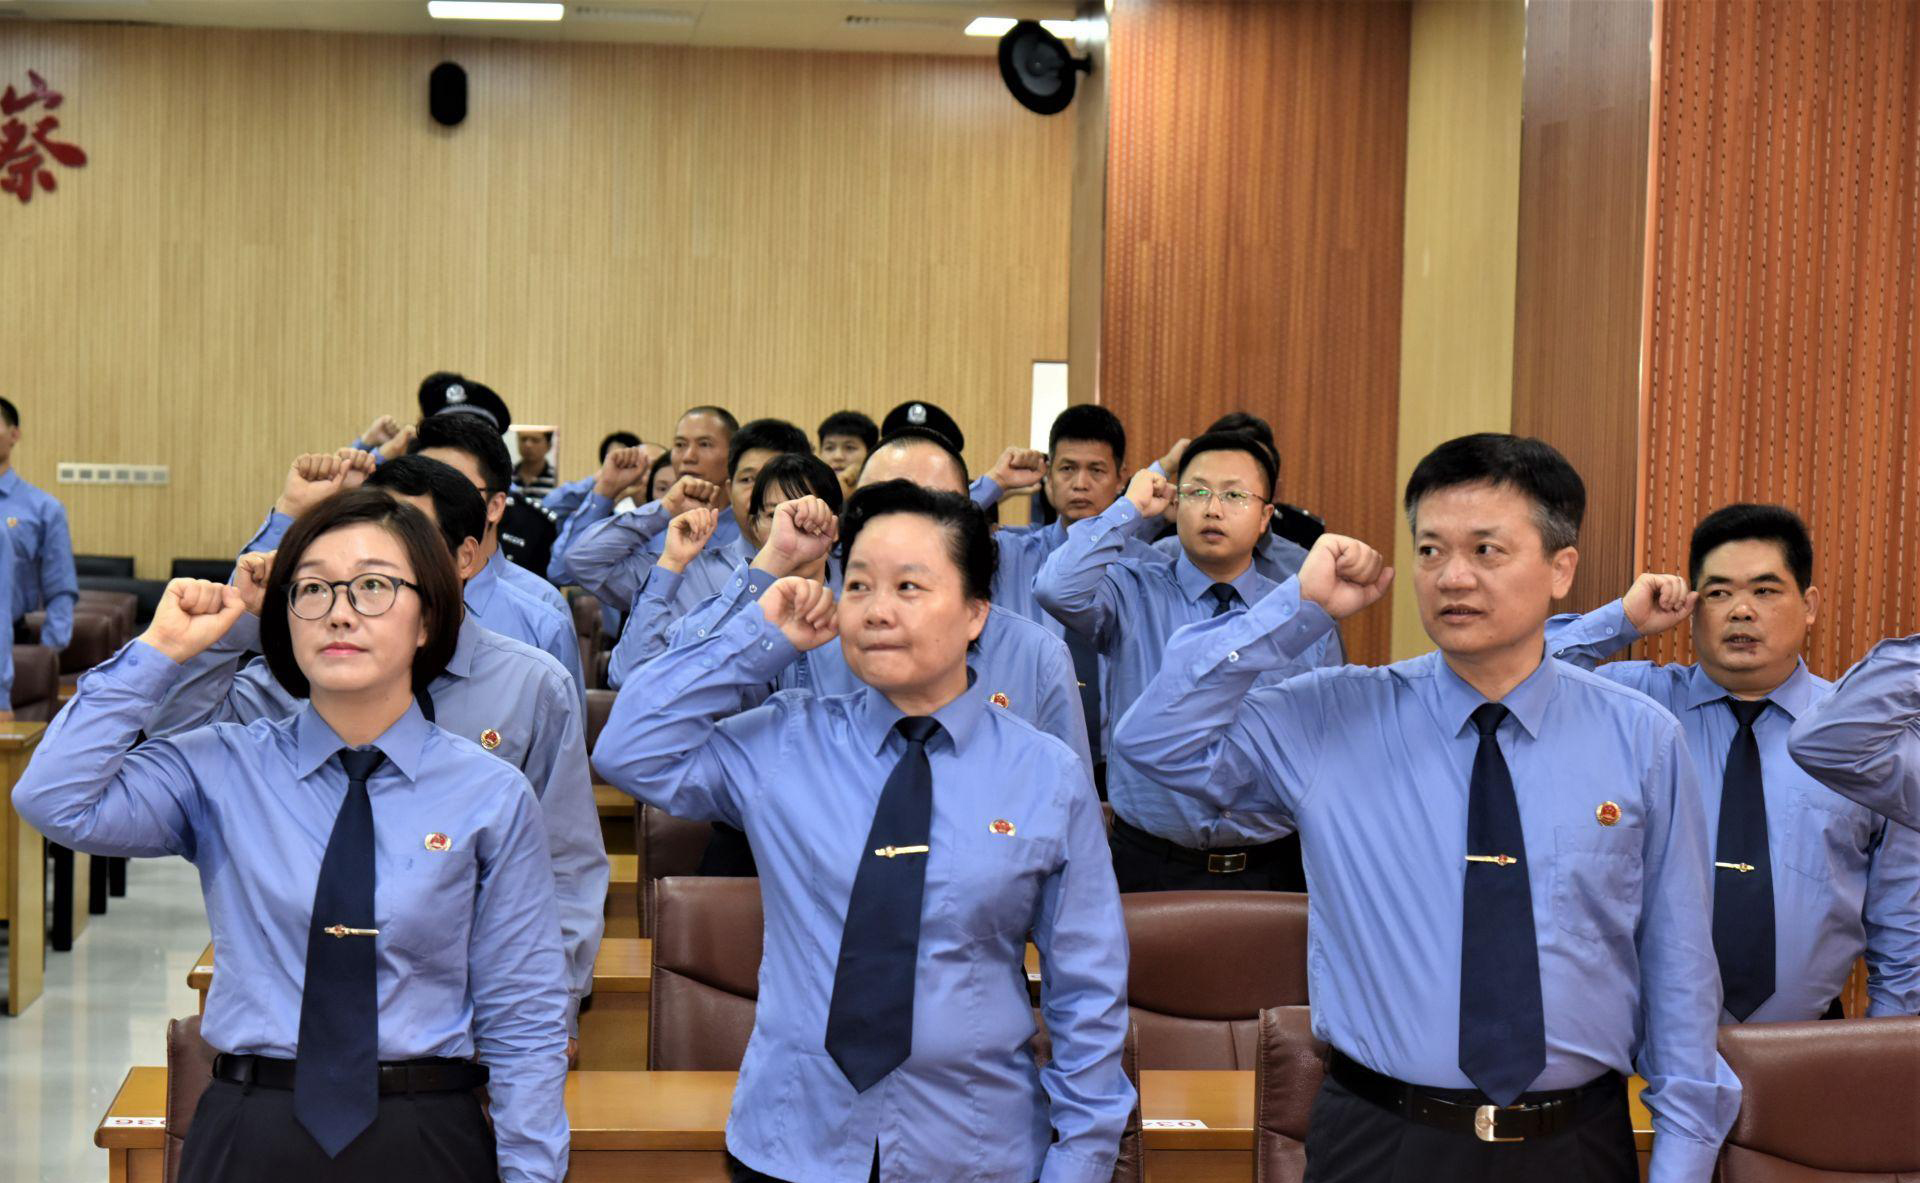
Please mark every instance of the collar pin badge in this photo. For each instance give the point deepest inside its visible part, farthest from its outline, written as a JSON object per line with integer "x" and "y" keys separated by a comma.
{"x": 1002, "y": 827}
{"x": 1000, "y": 700}
{"x": 1608, "y": 814}
{"x": 439, "y": 843}
{"x": 489, "y": 739}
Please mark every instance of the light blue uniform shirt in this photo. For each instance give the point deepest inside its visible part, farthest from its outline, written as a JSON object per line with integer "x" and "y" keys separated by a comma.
{"x": 1846, "y": 882}
{"x": 468, "y": 961}
{"x": 802, "y": 776}
{"x": 493, "y": 598}
{"x": 1022, "y": 668}
{"x": 529, "y": 582}
{"x": 1128, "y": 599}
{"x": 492, "y": 684}
{"x": 1374, "y": 767}
{"x": 647, "y": 521}
{"x": 1860, "y": 741}
{"x": 615, "y": 558}
{"x": 43, "y": 574}
{"x": 563, "y": 499}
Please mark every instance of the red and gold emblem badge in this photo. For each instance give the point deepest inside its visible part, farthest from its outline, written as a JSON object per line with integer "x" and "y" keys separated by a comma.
{"x": 999, "y": 700}
{"x": 439, "y": 842}
{"x": 1608, "y": 814}
{"x": 1002, "y": 827}
{"x": 489, "y": 739}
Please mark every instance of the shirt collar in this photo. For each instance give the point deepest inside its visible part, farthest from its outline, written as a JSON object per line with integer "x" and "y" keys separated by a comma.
{"x": 1527, "y": 701}
{"x": 1794, "y": 696}
{"x": 461, "y": 663}
{"x": 479, "y": 590}
{"x": 403, "y": 743}
{"x": 959, "y": 718}
{"x": 10, "y": 482}
{"x": 1194, "y": 582}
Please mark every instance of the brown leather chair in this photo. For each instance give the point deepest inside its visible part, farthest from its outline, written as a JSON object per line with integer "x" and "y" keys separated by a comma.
{"x": 1131, "y": 1164}
{"x": 706, "y": 973}
{"x": 123, "y": 608}
{"x": 189, "y": 1072}
{"x": 36, "y": 683}
{"x": 1286, "y": 1078}
{"x": 1204, "y": 965}
{"x": 1824, "y": 1100}
{"x": 668, "y": 846}
{"x": 599, "y": 706}
{"x": 92, "y": 643}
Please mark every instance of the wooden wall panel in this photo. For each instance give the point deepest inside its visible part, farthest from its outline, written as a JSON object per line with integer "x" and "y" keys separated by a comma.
{"x": 1582, "y": 257}
{"x": 1785, "y": 255}
{"x": 1254, "y": 195}
{"x": 1457, "y": 286}
{"x": 272, "y": 243}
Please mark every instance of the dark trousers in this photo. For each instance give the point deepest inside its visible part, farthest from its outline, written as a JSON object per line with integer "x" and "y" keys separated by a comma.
{"x": 1354, "y": 1141}
{"x": 742, "y": 1173}
{"x": 244, "y": 1134}
{"x": 1142, "y": 863}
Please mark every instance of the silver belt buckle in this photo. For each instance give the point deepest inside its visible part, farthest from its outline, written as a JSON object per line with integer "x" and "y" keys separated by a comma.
{"x": 1483, "y": 1125}
{"x": 1227, "y": 864}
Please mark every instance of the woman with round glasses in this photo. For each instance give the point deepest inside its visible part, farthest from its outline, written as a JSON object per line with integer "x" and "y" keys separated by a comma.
{"x": 379, "y": 889}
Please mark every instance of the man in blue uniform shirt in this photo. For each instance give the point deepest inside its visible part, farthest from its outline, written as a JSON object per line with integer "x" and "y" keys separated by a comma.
{"x": 568, "y": 496}
{"x": 43, "y": 575}
{"x": 1507, "y": 856}
{"x": 1805, "y": 881}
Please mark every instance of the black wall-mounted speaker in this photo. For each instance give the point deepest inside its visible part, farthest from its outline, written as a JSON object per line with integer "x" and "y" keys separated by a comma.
{"x": 447, "y": 94}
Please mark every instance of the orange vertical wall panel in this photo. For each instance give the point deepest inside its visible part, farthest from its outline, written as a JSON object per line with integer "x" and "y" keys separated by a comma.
{"x": 1785, "y": 249}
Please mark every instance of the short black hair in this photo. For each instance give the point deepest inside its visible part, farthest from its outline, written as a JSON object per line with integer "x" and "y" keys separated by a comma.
{"x": 776, "y": 434}
{"x": 1091, "y": 423}
{"x": 915, "y": 435}
{"x": 9, "y": 412}
{"x": 851, "y": 424}
{"x": 546, "y": 435}
{"x": 721, "y": 413}
{"x": 1531, "y": 466}
{"x": 1248, "y": 423}
{"x": 440, "y": 607}
{"x": 457, "y": 505}
{"x": 1228, "y": 441}
{"x": 1762, "y": 523}
{"x": 474, "y": 435}
{"x": 619, "y": 439}
{"x": 796, "y": 475}
{"x": 969, "y": 536}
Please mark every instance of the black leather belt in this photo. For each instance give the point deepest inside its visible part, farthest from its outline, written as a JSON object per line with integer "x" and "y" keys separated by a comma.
{"x": 1466, "y": 1111}
{"x": 408, "y": 1076}
{"x": 1216, "y": 862}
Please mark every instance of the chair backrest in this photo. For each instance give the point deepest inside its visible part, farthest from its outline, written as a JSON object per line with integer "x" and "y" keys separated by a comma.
{"x": 92, "y": 643}
{"x": 123, "y": 608}
{"x": 1825, "y": 1100}
{"x": 217, "y": 570}
{"x": 146, "y": 592}
{"x": 706, "y": 973}
{"x": 189, "y": 1072}
{"x": 587, "y": 621}
{"x": 1253, "y": 945}
{"x": 116, "y": 565}
{"x": 668, "y": 846}
{"x": 599, "y": 706}
{"x": 1130, "y": 1166}
{"x": 36, "y": 683}
{"x": 1286, "y": 1077}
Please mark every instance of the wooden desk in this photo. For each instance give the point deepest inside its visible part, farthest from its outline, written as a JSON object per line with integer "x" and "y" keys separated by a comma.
{"x": 670, "y": 1127}
{"x": 23, "y": 875}
{"x": 623, "y": 896}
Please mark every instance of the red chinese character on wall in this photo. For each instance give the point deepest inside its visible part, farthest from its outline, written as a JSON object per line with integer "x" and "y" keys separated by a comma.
{"x": 24, "y": 148}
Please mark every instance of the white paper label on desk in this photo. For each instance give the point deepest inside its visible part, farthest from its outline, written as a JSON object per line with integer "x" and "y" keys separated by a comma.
{"x": 139, "y": 1123}
{"x": 1173, "y": 1123}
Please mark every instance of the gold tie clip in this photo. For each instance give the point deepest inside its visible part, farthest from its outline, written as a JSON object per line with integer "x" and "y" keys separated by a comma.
{"x": 1743, "y": 868}
{"x": 341, "y": 930}
{"x": 1498, "y": 860}
{"x": 895, "y": 851}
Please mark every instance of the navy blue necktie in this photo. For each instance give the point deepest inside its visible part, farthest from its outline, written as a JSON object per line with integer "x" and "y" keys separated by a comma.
{"x": 870, "y": 1019}
{"x": 1086, "y": 671}
{"x": 336, "y": 1083}
{"x": 1224, "y": 598}
{"x": 1743, "y": 874}
{"x": 1503, "y": 1028}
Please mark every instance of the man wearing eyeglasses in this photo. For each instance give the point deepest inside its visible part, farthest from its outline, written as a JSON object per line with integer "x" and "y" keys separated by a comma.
{"x": 1127, "y": 600}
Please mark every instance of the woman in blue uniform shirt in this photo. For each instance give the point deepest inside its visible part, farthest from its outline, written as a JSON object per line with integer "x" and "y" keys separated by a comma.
{"x": 379, "y": 889}
{"x": 910, "y": 838}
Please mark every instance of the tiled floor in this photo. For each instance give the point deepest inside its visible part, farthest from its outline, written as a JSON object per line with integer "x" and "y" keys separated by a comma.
{"x": 105, "y": 1009}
